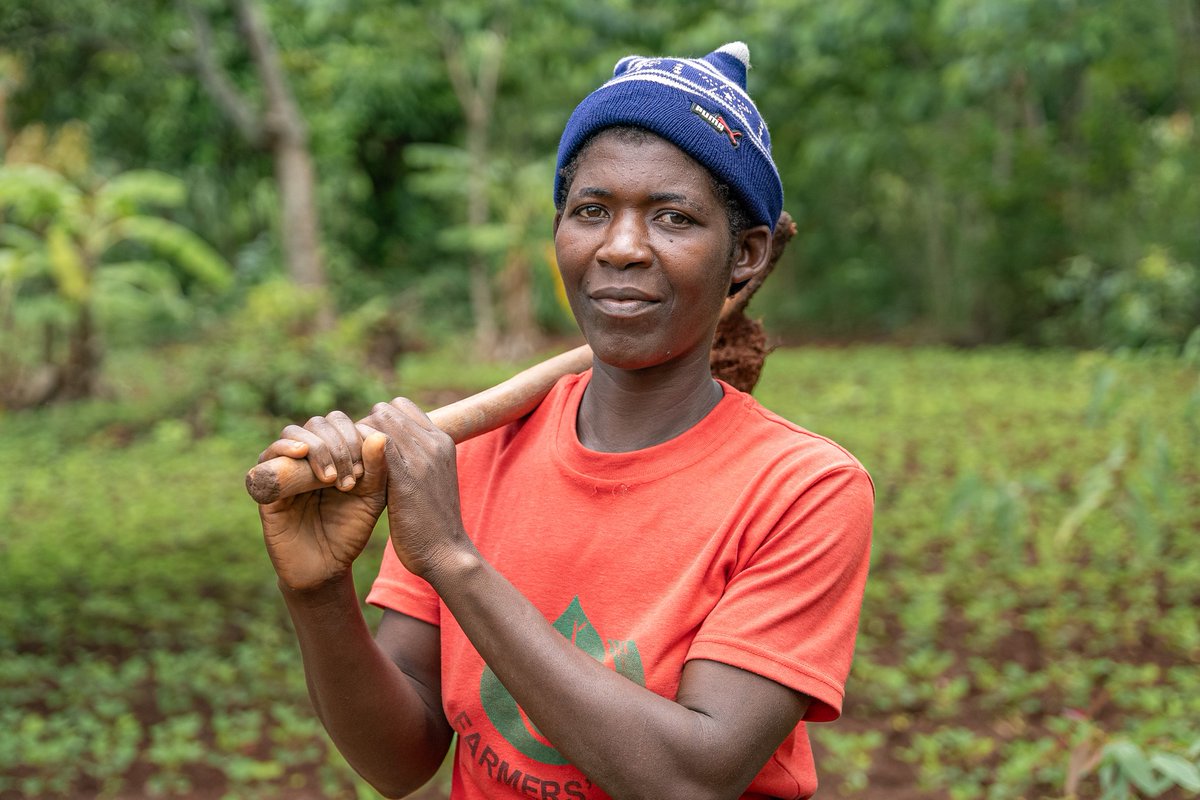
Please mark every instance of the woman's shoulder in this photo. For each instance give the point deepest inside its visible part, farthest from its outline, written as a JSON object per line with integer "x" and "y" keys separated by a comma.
{"x": 767, "y": 437}
{"x": 538, "y": 422}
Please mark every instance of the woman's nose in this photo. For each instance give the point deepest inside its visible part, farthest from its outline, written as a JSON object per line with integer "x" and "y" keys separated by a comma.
{"x": 625, "y": 242}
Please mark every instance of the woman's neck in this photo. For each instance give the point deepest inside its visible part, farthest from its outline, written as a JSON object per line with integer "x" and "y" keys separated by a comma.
{"x": 626, "y": 410}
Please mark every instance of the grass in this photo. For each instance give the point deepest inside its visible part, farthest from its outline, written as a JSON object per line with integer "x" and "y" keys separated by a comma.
{"x": 1029, "y": 626}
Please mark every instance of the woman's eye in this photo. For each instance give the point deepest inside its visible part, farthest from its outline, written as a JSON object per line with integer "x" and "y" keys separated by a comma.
{"x": 675, "y": 218}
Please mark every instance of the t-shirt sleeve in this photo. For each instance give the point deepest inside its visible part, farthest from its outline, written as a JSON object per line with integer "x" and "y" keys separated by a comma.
{"x": 397, "y": 589}
{"x": 791, "y": 613}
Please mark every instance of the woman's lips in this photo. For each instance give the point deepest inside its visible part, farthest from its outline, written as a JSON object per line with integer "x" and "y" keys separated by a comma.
{"x": 623, "y": 308}
{"x": 622, "y": 301}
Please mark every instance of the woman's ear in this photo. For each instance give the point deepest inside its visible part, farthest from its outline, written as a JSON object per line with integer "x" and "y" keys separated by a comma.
{"x": 752, "y": 254}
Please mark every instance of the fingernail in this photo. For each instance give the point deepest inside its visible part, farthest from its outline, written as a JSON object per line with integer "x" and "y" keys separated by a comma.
{"x": 330, "y": 473}
{"x": 348, "y": 482}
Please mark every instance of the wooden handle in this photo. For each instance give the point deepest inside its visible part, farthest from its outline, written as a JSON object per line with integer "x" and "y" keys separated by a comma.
{"x": 490, "y": 409}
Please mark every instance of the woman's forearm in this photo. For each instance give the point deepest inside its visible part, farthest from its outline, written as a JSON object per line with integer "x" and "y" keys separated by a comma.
{"x": 625, "y": 738}
{"x": 390, "y": 728}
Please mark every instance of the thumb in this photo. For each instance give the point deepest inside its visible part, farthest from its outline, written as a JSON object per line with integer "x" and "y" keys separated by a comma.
{"x": 374, "y": 462}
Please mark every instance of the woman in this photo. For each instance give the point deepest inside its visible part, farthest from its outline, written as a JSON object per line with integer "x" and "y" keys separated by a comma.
{"x": 642, "y": 588}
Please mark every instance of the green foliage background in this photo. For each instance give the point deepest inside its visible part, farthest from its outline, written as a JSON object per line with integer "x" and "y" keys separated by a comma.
{"x": 962, "y": 170}
{"x": 1007, "y": 173}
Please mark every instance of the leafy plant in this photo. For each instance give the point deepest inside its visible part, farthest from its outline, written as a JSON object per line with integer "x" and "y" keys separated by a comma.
{"x": 1154, "y": 300}
{"x": 1126, "y": 767}
{"x": 272, "y": 357}
{"x": 848, "y": 755}
{"x": 73, "y": 254}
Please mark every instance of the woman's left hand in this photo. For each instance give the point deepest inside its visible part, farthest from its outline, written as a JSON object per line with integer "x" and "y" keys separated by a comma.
{"x": 422, "y": 495}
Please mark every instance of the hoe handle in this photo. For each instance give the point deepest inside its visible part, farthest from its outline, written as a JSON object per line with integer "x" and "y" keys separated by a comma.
{"x": 490, "y": 409}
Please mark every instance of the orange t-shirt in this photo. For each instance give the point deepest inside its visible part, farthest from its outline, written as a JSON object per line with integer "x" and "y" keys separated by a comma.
{"x": 745, "y": 540}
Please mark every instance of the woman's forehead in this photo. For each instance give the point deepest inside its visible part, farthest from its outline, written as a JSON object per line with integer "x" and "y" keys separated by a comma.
{"x": 614, "y": 156}
{"x": 615, "y": 142}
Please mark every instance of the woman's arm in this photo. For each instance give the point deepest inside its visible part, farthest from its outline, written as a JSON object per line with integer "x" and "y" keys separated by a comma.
{"x": 709, "y": 742}
{"x": 382, "y": 711}
{"x": 379, "y": 701}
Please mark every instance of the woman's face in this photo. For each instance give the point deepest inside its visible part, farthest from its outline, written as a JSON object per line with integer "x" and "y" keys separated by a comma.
{"x": 645, "y": 251}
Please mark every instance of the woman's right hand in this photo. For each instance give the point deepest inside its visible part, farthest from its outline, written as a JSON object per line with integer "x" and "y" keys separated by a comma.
{"x": 313, "y": 538}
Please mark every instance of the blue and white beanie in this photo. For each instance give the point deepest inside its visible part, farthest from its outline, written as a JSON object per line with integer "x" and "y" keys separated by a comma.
{"x": 698, "y": 104}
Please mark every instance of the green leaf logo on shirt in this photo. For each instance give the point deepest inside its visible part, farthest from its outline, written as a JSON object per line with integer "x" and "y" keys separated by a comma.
{"x": 510, "y": 720}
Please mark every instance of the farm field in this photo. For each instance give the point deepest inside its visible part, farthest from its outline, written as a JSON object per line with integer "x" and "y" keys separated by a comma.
{"x": 1030, "y": 628}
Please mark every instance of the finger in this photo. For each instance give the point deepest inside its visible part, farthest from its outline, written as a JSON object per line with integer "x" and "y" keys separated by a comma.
{"x": 320, "y": 460}
{"x": 338, "y": 448}
{"x": 290, "y": 448}
{"x": 345, "y": 427}
{"x": 413, "y": 412}
{"x": 364, "y": 430}
{"x": 374, "y": 461}
{"x": 433, "y": 439}
{"x": 387, "y": 464}
{"x": 387, "y": 419}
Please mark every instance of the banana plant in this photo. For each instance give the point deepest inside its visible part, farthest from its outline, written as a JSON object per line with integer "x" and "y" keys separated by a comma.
{"x": 60, "y": 262}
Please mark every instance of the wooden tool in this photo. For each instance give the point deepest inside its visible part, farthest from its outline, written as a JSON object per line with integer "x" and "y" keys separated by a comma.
{"x": 490, "y": 409}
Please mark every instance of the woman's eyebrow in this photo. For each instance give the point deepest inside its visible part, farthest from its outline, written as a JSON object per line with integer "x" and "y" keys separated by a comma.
{"x": 674, "y": 197}
{"x": 653, "y": 197}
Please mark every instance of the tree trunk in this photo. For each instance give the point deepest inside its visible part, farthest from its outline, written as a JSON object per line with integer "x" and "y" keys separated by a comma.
{"x": 287, "y": 136}
{"x": 521, "y": 335}
{"x": 476, "y": 96}
{"x": 296, "y": 177}
{"x": 483, "y": 304}
{"x": 78, "y": 380}
{"x": 279, "y": 129}
{"x": 1187, "y": 26}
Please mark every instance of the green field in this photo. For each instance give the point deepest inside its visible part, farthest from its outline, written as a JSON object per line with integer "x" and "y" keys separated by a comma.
{"x": 1030, "y": 628}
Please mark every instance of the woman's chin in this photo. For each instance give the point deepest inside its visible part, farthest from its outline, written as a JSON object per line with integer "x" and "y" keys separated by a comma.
{"x": 634, "y": 356}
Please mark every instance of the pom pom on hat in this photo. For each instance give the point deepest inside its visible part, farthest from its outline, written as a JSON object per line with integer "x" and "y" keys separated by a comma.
{"x": 738, "y": 50}
{"x": 698, "y": 104}
{"x": 732, "y": 59}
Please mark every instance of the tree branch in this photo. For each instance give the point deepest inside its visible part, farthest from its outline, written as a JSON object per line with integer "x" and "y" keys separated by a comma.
{"x": 219, "y": 87}
{"x": 283, "y": 117}
{"x": 460, "y": 78}
{"x": 476, "y": 93}
{"x": 489, "y": 68}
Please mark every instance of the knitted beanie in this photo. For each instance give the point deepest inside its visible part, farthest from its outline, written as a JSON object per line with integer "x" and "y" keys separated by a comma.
{"x": 700, "y": 105}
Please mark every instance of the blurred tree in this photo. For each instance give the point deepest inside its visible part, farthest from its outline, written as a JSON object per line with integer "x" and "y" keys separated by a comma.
{"x": 515, "y": 195}
{"x": 947, "y": 157}
{"x": 473, "y": 64}
{"x": 11, "y": 76}
{"x": 526, "y": 207}
{"x": 70, "y": 243}
{"x": 280, "y": 129}
{"x": 949, "y": 162}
